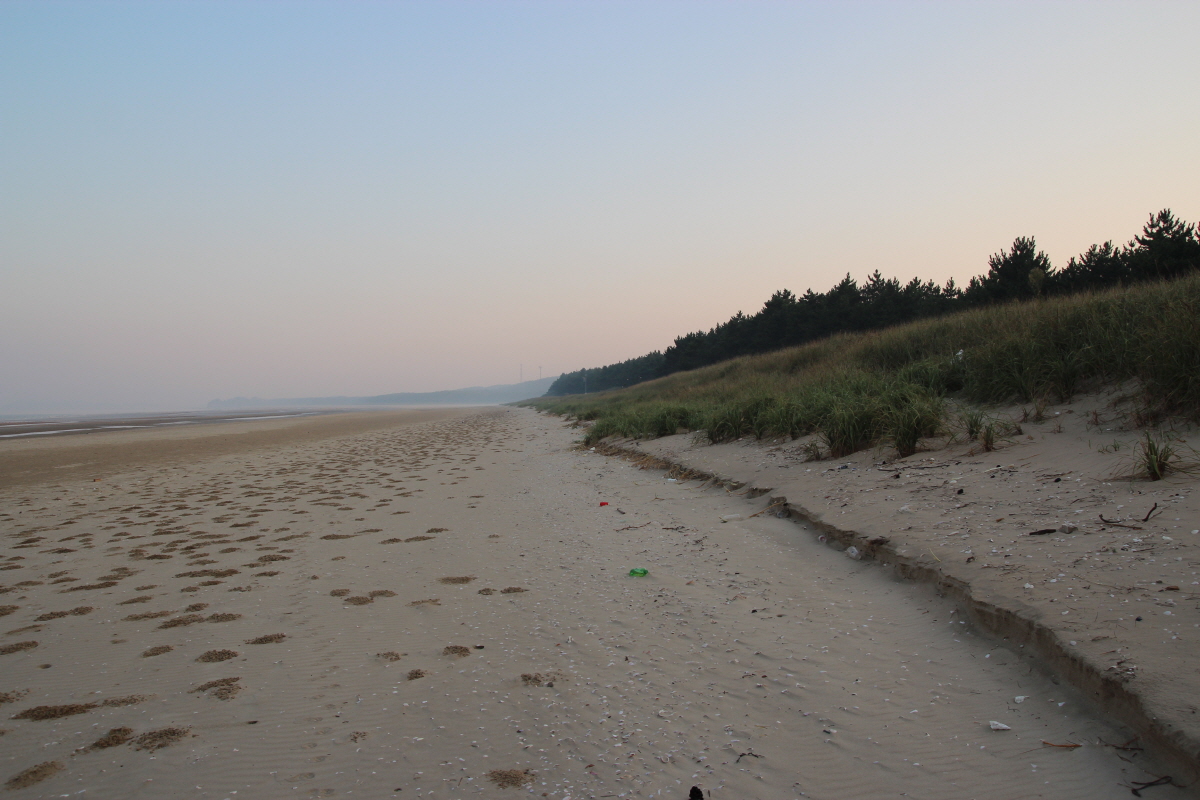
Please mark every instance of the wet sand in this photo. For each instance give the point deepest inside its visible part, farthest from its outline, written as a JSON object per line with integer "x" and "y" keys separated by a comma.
{"x": 72, "y": 426}
{"x": 398, "y": 605}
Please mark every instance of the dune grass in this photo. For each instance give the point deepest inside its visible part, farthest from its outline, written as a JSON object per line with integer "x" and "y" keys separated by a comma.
{"x": 892, "y": 386}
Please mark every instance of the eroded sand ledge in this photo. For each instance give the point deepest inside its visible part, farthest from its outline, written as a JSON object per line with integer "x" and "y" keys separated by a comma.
{"x": 899, "y": 512}
{"x": 439, "y": 607}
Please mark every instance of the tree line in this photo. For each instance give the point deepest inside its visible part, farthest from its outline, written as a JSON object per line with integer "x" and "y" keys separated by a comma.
{"x": 1166, "y": 248}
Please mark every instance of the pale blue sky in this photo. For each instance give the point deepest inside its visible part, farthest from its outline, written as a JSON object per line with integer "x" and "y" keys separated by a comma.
{"x": 209, "y": 199}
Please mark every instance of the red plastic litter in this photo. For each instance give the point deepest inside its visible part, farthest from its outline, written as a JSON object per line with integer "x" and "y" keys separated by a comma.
{"x": 604, "y": 504}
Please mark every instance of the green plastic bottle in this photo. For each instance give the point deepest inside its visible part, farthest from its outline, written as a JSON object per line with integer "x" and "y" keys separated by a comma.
{"x": 639, "y": 572}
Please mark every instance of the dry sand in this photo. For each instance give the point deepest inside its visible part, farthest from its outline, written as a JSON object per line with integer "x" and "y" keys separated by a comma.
{"x": 441, "y": 607}
{"x": 1050, "y": 541}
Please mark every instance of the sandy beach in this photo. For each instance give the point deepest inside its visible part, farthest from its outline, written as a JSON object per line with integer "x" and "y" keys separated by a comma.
{"x": 439, "y": 604}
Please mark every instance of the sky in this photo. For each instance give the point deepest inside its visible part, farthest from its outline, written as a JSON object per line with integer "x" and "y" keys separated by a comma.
{"x": 211, "y": 199}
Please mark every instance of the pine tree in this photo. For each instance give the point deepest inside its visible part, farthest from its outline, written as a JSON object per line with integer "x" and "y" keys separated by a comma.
{"x": 1011, "y": 275}
{"x": 1167, "y": 248}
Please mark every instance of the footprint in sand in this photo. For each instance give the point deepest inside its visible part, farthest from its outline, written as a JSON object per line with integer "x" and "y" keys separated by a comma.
{"x": 222, "y": 688}
{"x": 114, "y": 738}
{"x": 270, "y": 638}
{"x": 33, "y": 775}
{"x": 163, "y": 737}
{"x": 43, "y": 713}
{"x": 77, "y": 612}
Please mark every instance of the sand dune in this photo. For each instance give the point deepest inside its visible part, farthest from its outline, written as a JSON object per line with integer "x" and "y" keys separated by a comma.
{"x": 441, "y": 607}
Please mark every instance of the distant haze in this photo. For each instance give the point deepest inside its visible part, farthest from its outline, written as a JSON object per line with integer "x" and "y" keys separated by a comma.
{"x": 307, "y": 199}
{"x": 468, "y": 396}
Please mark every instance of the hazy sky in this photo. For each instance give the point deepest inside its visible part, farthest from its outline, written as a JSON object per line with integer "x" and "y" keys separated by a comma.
{"x": 209, "y": 199}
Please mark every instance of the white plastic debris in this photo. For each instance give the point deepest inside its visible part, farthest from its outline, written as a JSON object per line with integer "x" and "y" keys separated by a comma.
{"x": 998, "y": 726}
{"x": 1029, "y": 586}
{"x": 731, "y": 518}
{"x": 1067, "y": 527}
{"x": 854, "y": 552}
{"x": 1019, "y": 698}
{"x": 904, "y": 509}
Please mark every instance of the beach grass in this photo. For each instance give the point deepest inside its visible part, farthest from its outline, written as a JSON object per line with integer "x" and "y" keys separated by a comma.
{"x": 895, "y": 386}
